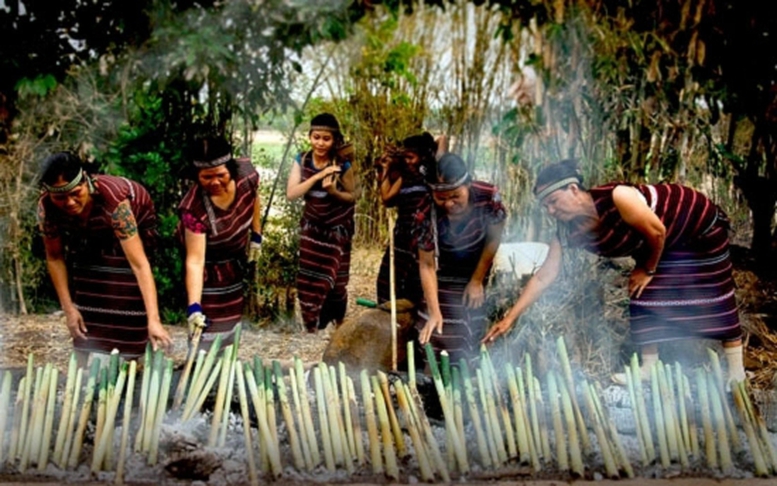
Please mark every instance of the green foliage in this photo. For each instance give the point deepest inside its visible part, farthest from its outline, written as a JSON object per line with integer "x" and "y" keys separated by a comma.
{"x": 39, "y": 86}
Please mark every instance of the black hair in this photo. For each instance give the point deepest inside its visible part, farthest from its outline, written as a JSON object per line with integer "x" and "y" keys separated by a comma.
{"x": 555, "y": 172}
{"x": 424, "y": 146}
{"x": 208, "y": 148}
{"x": 329, "y": 121}
{"x": 66, "y": 165}
{"x": 450, "y": 169}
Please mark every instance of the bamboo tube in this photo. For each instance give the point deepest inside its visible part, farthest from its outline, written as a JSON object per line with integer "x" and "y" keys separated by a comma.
{"x": 51, "y": 403}
{"x": 399, "y": 439}
{"x": 518, "y": 410}
{"x": 288, "y": 417}
{"x": 221, "y": 393}
{"x": 102, "y": 397}
{"x": 161, "y": 408}
{"x": 747, "y": 421}
{"x": 200, "y": 383}
{"x": 506, "y": 423}
{"x": 309, "y": 464}
{"x": 332, "y": 387}
{"x": 437, "y": 461}
{"x": 679, "y": 381}
{"x": 535, "y": 423}
{"x": 326, "y": 438}
{"x": 372, "y": 427}
{"x": 355, "y": 422}
{"x": 125, "y": 424}
{"x": 249, "y": 443}
{"x": 13, "y": 443}
{"x": 474, "y": 413}
{"x": 72, "y": 418}
{"x": 269, "y": 397}
{"x": 721, "y": 388}
{"x": 455, "y": 397}
{"x": 422, "y": 456}
{"x": 113, "y": 372}
{"x": 332, "y": 414}
{"x": 151, "y": 401}
{"x": 183, "y": 382}
{"x": 667, "y": 409}
{"x": 605, "y": 447}
{"x": 562, "y": 457}
{"x": 706, "y": 419}
{"x": 637, "y": 418}
{"x": 32, "y": 444}
{"x": 491, "y": 437}
{"x": 534, "y": 454}
{"x": 682, "y": 449}
{"x": 623, "y": 458}
{"x": 306, "y": 414}
{"x": 67, "y": 404}
{"x": 575, "y": 453}
{"x": 142, "y": 406}
{"x": 570, "y": 385}
{"x": 196, "y": 404}
{"x": 647, "y": 434}
{"x": 5, "y": 399}
{"x": 271, "y": 449}
{"x": 719, "y": 419}
{"x": 389, "y": 454}
{"x": 86, "y": 409}
{"x": 544, "y": 439}
{"x": 350, "y": 440}
{"x": 770, "y": 452}
{"x": 459, "y": 447}
{"x": 411, "y": 364}
{"x": 222, "y": 440}
{"x": 105, "y": 442}
{"x": 663, "y": 444}
{"x": 26, "y": 404}
{"x": 692, "y": 424}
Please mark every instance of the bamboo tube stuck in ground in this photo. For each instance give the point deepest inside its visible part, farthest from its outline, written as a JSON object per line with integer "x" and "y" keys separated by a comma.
{"x": 128, "y": 404}
{"x": 271, "y": 449}
{"x": 5, "y": 400}
{"x": 605, "y": 448}
{"x": 566, "y": 368}
{"x": 304, "y": 443}
{"x": 249, "y": 443}
{"x": 221, "y": 394}
{"x": 288, "y": 417}
{"x": 323, "y": 421}
{"x": 422, "y": 456}
{"x": 86, "y": 409}
{"x": 356, "y": 422}
{"x": 562, "y": 458}
{"x": 13, "y": 443}
{"x": 747, "y": 421}
{"x": 67, "y": 403}
{"x": 306, "y": 414}
{"x": 474, "y": 413}
{"x": 638, "y": 425}
{"x": 389, "y": 453}
{"x": 399, "y": 439}
{"x": 575, "y": 453}
{"x": 719, "y": 419}
{"x": 376, "y": 458}
{"x": 48, "y": 424}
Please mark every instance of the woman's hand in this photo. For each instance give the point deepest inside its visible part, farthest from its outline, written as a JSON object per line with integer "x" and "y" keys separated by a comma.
{"x": 638, "y": 280}
{"x": 158, "y": 335}
{"x": 75, "y": 323}
{"x": 328, "y": 177}
{"x": 434, "y": 323}
{"x": 474, "y": 295}
{"x": 497, "y": 330}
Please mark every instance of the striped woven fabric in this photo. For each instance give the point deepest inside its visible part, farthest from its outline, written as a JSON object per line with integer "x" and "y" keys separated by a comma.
{"x": 103, "y": 286}
{"x": 326, "y": 231}
{"x": 412, "y": 203}
{"x": 460, "y": 247}
{"x": 692, "y": 292}
{"x": 227, "y": 232}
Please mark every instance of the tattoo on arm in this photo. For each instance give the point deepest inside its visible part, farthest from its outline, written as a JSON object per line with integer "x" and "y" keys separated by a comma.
{"x": 123, "y": 221}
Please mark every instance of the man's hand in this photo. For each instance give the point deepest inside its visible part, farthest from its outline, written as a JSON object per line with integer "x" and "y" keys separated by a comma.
{"x": 474, "y": 295}
{"x": 75, "y": 323}
{"x": 158, "y": 336}
{"x": 638, "y": 280}
{"x": 496, "y": 331}
{"x": 433, "y": 324}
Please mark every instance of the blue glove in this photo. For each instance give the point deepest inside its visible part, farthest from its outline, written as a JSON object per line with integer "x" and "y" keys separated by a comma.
{"x": 195, "y": 318}
{"x": 255, "y": 247}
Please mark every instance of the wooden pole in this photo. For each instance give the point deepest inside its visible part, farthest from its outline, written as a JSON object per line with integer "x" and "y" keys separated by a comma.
{"x": 392, "y": 286}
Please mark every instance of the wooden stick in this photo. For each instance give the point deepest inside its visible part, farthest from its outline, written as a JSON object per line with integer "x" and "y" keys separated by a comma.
{"x": 393, "y": 295}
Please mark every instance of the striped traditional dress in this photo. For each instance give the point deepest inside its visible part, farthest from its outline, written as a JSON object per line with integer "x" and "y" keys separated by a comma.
{"x": 227, "y": 233}
{"x": 326, "y": 231}
{"x": 460, "y": 245}
{"x": 692, "y": 292}
{"x": 102, "y": 284}
{"x": 412, "y": 203}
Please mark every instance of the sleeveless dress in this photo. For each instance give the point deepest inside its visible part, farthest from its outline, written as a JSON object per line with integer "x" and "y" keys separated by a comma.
{"x": 692, "y": 292}
{"x": 460, "y": 246}
{"x": 102, "y": 285}
{"x": 326, "y": 231}
{"x": 227, "y": 232}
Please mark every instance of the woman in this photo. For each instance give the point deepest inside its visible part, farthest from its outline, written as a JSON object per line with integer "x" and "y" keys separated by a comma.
{"x": 681, "y": 286}
{"x": 96, "y": 232}
{"x": 456, "y": 246}
{"x": 326, "y": 182}
{"x": 403, "y": 185}
{"x": 220, "y": 218}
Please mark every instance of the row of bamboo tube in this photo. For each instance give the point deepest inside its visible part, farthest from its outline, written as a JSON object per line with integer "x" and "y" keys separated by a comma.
{"x": 494, "y": 416}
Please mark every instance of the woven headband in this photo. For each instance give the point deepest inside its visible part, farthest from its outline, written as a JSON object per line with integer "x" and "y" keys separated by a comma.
{"x": 449, "y": 186}
{"x": 67, "y": 187}
{"x": 207, "y": 164}
{"x": 324, "y": 127}
{"x": 556, "y": 185}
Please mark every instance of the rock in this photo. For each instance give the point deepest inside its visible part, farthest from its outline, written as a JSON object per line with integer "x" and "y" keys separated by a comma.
{"x": 197, "y": 464}
{"x": 365, "y": 342}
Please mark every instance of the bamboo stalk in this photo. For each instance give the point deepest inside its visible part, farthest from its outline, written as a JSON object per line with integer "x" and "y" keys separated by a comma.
{"x": 161, "y": 408}
{"x": 221, "y": 393}
{"x": 604, "y": 444}
{"x": 637, "y": 418}
{"x": 326, "y": 438}
{"x": 488, "y": 419}
{"x": 535, "y": 423}
{"x": 399, "y": 439}
{"x": 306, "y": 414}
{"x": 249, "y": 443}
{"x": 102, "y": 397}
{"x": 575, "y": 453}
{"x": 389, "y": 454}
{"x": 67, "y": 403}
{"x": 474, "y": 413}
{"x": 392, "y": 293}
{"x": 506, "y": 423}
{"x": 562, "y": 457}
{"x": 376, "y": 458}
{"x": 769, "y": 452}
{"x": 86, "y": 409}
{"x": 269, "y": 397}
{"x": 48, "y": 425}
{"x": 570, "y": 385}
{"x": 306, "y": 454}
{"x": 667, "y": 408}
{"x": 692, "y": 424}
{"x": 288, "y": 417}
{"x": 747, "y": 421}
{"x": 113, "y": 372}
{"x": 125, "y": 424}
{"x": 416, "y": 408}
{"x": 222, "y": 440}
{"x": 679, "y": 380}
{"x": 14, "y": 441}
{"x": 663, "y": 444}
{"x": 356, "y": 423}
{"x": 151, "y": 402}
{"x": 183, "y": 382}
{"x": 350, "y": 440}
{"x": 72, "y": 418}
{"x": 23, "y": 428}
{"x": 105, "y": 442}
{"x": 5, "y": 399}
{"x": 518, "y": 409}
{"x": 333, "y": 415}
{"x": 271, "y": 449}
{"x": 647, "y": 434}
{"x": 200, "y": 385}
{"x": 721, "y": 388}
{"x": 623, "y": 458}
{"x": 32, "y": 444}
{"x": 333, "y": 385}
{"x": 706, "y": 419}
{"x": 142, "y": 406}
{"x": 719, "y": 419}
{"x": 422, "y": 456}
{"x": 534, "y": 454}
{"x": 411, "y": 365}
{"x": 544, "y": 437}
